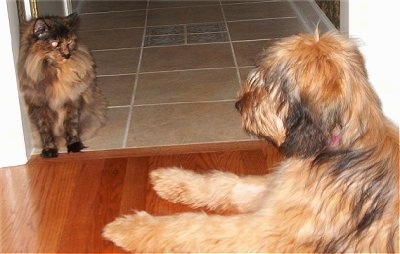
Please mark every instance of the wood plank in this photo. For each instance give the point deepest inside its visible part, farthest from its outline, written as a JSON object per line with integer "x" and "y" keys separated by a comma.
{"x": 34, "y": 205}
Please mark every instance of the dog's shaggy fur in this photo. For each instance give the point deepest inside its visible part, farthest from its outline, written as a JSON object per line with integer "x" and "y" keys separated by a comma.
{"x": 337, "y": 189}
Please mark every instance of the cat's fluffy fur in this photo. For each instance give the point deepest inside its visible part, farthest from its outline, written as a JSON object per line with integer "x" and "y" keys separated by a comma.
{"x": 57, "y": 80}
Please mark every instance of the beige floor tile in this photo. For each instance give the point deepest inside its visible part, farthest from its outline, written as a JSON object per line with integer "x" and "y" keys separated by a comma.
{"x": 110, "y": 20}
{"x": 117, "y": 89}
{"x": 174, "y": 124}
{"x": 111, "y": 62}
{"x": 107, "y": 5}
{"x": 155, "y": 4}
{"x": 258, "y": 10}
{"x": 248, "y": 52}
{"x": 185, "y": 15}
{"x": 264, "y": 29}
{"x": 111, "y": 136}
{"x": 187, "y": 86}
{"x": 185, "y": 57}
{"x": 113, "y": 38}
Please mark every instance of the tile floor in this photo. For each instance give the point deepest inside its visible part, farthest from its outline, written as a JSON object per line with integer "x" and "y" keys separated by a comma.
{"x": 171, "y": 69}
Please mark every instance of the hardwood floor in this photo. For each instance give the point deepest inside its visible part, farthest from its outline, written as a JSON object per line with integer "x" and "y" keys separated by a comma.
{"x": 62, "y": 204}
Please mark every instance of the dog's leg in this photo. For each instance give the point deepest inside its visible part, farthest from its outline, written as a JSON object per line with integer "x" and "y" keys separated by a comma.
{"x": 215, "y": 190}
{"x": 191, "y": 232}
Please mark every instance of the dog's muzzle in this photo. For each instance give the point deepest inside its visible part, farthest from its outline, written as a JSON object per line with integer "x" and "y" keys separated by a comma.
{"x": 238, "y": 105}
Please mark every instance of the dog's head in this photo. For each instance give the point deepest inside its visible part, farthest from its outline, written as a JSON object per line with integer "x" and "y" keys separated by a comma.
{"x": 307, "y": 93}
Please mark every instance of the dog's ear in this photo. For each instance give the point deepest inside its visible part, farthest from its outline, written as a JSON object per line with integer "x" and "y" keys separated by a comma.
{"x": 304, "y": 136}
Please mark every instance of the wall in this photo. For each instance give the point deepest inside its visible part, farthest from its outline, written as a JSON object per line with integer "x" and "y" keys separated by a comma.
{"x": 375, "y": 25}
{"x": 12, "y": 144}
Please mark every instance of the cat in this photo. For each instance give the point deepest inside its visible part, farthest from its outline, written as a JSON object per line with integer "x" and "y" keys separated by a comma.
{"x": 57, "y": 80}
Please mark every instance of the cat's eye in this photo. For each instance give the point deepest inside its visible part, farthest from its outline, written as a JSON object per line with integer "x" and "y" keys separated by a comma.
{"x": 69, "y": 41}
{"x": 54, "y": 43}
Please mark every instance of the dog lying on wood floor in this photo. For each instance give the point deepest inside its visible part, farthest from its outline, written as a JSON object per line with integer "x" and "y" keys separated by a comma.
{"x": 337, "y": 190}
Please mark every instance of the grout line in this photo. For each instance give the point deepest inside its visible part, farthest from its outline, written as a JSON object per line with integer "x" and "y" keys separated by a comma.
{"x": 190, "y": 44}
{"x": 110, "y": 29}
{"x": 116, "y": 74}
{"x": 184, "y": 102}
{"x": 167, "y": 71}
{"x": 182, "y": 7}
{"x": 231, "y": 44}
{"x": 129, "y": 120}
{"x": 118, "y": 106}
{"x": 253, "y": 40}
{"x": 185, "y": 34}
{"x": 113, "y": 49}
{"x": 249, "y": 20}
{"x": 182, "y": 70}
{"x": 110, "y": 12}
{"x": 189, "y": 24}
{"x": 251, "y": 2}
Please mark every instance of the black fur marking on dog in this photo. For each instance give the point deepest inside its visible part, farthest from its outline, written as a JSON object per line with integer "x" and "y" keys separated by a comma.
{"x": 370, "y": 202}
{"x": 304, "y": 137}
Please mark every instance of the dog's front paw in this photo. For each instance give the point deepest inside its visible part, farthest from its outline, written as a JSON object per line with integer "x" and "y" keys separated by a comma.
{"x": 134, "y": 232}
{"x": 174, "y": 184}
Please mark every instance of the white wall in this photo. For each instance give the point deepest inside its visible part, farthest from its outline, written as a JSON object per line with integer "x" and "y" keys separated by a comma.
{"x": 12, "y": 145}
{"x": 375, "y": 24}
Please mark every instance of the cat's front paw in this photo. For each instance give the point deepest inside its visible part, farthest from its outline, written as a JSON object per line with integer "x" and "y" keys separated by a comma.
{"x": 49, "y": 153}
{"x": 75, "y": 147}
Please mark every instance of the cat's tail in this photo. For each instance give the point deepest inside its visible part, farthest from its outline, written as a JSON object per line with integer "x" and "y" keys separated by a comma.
{"x": 94, "y": 114}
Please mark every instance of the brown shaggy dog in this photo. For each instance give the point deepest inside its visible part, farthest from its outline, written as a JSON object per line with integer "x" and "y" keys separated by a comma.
{"x": 337, "y": 189}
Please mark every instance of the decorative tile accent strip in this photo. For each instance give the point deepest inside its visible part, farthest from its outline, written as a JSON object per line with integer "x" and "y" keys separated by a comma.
{"x": 164, "y": 40}
{"x": 164, "y": 30}
{"x": 182, "y": 34}
{"x": 207, "y": 37}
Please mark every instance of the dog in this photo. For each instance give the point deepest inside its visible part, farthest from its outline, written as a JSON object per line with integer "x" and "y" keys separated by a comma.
{"x": 337, "y": 188}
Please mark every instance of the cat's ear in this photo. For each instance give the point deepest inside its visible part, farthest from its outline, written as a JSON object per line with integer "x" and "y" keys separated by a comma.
{"x": 72, "y": 19}
{"x": 41, "y": 29}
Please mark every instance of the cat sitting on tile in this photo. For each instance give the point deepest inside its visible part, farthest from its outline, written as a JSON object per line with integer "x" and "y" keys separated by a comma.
{"x": 58, "y": 83}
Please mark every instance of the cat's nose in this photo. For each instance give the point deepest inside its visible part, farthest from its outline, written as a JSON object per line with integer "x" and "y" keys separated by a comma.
{"x": 66, "y": 56}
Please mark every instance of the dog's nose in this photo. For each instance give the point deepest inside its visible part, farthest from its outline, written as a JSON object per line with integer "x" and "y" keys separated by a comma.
{"x": 238, "y": 105}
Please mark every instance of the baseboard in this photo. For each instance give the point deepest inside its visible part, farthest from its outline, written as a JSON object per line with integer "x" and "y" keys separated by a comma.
{"x": 163, "y": 150}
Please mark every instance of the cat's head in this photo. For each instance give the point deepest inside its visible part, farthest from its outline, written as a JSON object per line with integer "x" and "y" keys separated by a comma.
{"x": 55, "y": 36}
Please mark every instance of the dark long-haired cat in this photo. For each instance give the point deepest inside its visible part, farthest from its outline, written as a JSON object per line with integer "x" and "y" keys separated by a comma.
{"x": 57, "y": 80}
